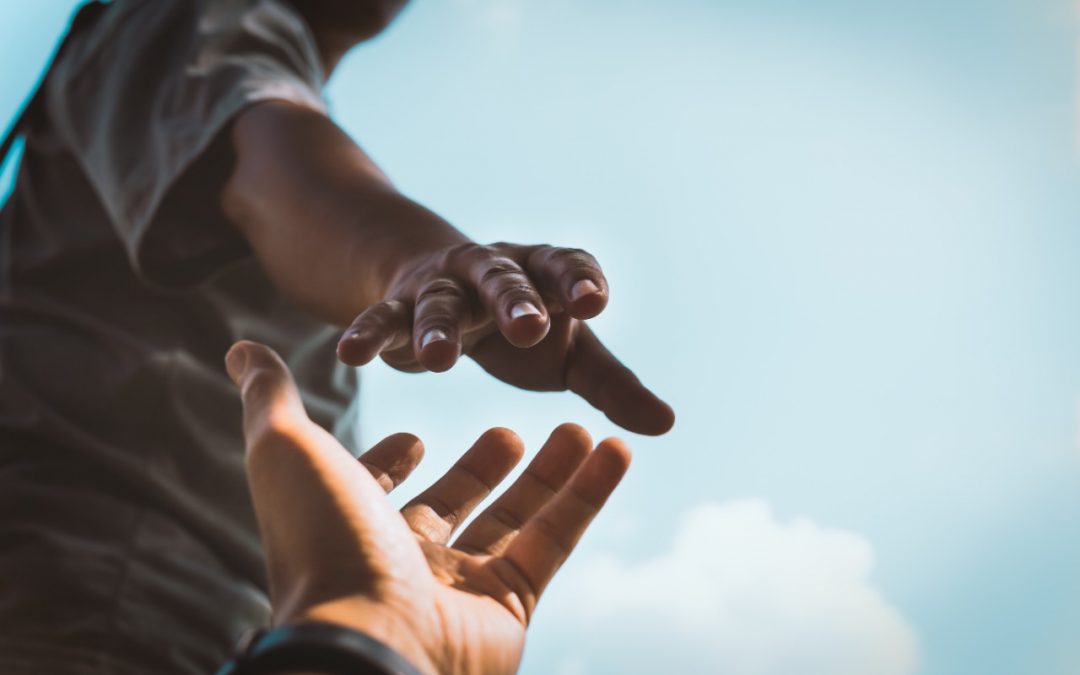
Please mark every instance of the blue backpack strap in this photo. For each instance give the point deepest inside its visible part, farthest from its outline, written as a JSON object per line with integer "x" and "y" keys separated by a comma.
{"x": 86, "y": 15}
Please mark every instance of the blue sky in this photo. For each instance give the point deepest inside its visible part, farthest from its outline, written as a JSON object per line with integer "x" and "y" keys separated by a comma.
{"x": 842, "y": 242}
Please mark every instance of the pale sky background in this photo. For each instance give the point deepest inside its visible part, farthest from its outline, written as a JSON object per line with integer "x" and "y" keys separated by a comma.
{"x": 843, "y": 242}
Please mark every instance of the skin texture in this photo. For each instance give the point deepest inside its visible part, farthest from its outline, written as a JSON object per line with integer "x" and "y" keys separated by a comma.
{"x": 338, "y": 239}
{"x": 337, "y": 550}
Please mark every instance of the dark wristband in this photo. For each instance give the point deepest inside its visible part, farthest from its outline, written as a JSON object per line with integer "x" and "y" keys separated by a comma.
{"x": 316, "y": 647}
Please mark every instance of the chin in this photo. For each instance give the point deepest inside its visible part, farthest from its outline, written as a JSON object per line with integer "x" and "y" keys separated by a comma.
{"x": 361, "y": 19}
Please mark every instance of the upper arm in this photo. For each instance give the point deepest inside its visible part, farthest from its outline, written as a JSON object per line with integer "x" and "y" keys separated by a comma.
{"x": 293, "y": 163}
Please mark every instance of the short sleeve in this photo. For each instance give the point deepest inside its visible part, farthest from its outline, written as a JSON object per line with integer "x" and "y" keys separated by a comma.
{"x": 142, "y": 100}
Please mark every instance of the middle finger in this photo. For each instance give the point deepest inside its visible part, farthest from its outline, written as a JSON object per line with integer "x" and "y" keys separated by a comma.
{"x": 505, "y": 291}
{"x": 436, "y": 512}
{"x": 564, "y": 451}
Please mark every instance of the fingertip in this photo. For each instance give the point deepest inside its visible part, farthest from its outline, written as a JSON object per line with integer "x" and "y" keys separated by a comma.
{"x": 409, "y": 445}
{"x": 603, "y": 470}
{"x": 236, "y": 361}
{"x": 506, "y": 440}
{"x": 566, "y": 448}
{"x": 356, "y": 349}
{"x": 525, "y": 330}
{"x": 586, "y": 299}
{"x": 417, "y": 449}
{"x": 569, "y": 433}
{"x": 396, "y": 456}
{"x": 615, "y": 452}
{"x": 245, "y": 357}
{"x": 268, "y": 393}
{"x": 439, "y": 353}
{"x": 661, "y": 422}
{"x": 643, "y": 414}
{"x": 494, "y": 454}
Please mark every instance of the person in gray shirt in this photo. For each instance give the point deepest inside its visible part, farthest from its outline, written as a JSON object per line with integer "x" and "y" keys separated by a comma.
{"x": 182, "y": 187}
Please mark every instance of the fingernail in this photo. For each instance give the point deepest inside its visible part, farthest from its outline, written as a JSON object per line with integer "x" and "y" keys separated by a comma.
{"x": 433, "y": 335}
{"x": 353, "y": 336}
{"x": 236, "y": 362}
{"x": 583, "y": 288}
{"x": 523, "y": 309}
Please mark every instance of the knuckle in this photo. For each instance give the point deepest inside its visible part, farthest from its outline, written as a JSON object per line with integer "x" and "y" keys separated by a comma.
{"x": 501, "y": 270}
{"x": 517, "y": 292}
{"x": 507, "y": 518}
{"x": 563, "y": 258}
{"x": 404, "y": 361}
{"x": 441, "y": 289}
{"x": 380, "y": 315}
{"x": 573, "y": 257}
{"x": 465, "y": 255}
{"x": 389, "y": 307}
{"x": 459, "y": 250}
{"x": 444, "y": 321}
{"x": 485, "y": 250}
{"x": 260, "y": 386}
{"x": 511, "y": 250}
{"x": 381, "y": 476}
{"x": 441, "y": 303}
{"x": 554, "y": 534}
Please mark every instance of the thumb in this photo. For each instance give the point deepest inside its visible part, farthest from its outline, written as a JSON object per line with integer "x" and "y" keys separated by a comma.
{"x": 322, "y": 517}
{"x": 597, "y": 376}
{"x": 267, "y": 389}
{"x": 287, "y": 453}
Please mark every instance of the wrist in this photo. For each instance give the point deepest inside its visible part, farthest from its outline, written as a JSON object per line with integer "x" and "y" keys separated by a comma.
{"x": 314, "y": 648}
{"x": 376, "y": 620}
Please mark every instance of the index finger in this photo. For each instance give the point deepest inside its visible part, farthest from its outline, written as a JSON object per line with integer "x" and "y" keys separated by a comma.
{"x": 319, "y": 513}
{"x": 391, "y": 460}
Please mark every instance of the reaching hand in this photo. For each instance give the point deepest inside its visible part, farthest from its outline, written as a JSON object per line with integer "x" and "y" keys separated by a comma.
{"x": 337, "y": 550}
{"x": 519, "y": 311}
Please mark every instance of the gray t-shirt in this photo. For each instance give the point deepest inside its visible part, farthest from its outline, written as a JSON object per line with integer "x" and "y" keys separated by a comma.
{"x": 127, "y": 539}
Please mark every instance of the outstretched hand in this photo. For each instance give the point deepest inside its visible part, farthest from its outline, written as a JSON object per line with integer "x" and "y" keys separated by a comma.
{"x": 337, "y": 550}
{"x": 520, "y": 312}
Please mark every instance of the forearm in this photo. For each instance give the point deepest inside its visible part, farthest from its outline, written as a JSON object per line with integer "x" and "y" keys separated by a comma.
{"x": 326, "y": 224}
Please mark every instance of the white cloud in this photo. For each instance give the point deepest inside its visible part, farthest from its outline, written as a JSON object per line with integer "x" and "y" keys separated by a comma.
{"x": 738, "y": 593}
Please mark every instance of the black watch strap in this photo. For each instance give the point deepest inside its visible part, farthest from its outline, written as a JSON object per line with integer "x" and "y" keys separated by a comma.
{"x": 315, "y": 647}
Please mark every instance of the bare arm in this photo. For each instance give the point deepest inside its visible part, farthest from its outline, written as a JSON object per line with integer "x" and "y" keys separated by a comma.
{"x": 339, "y": 240}
{"x": 327, "y": 225}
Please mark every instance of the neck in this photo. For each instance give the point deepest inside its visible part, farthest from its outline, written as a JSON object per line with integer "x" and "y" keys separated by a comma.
{"x": 339, "y": 26}
{"x": 332, "y": 48}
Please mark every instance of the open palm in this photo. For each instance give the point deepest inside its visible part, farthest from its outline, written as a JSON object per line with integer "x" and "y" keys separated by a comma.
{"x": 337, "y": 550}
